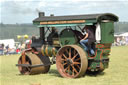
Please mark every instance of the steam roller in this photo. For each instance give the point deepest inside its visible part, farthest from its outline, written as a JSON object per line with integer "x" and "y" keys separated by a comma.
{"x": 59, "y": 43}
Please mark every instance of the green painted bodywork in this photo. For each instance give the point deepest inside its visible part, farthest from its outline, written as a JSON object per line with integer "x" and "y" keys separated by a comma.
{"x": 107, "y": 32}
{"x": 67, "y": 37}
{"x": 102, "y": 49}
{"x": 102, "y": 52}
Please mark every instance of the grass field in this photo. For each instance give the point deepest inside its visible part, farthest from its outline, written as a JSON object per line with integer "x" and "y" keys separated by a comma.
{"x": 116, "y": 74}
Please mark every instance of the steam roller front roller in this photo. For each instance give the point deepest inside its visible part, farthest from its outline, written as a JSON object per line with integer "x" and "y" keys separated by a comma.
{"x": 71, "y": 61}
{"x": 30, "y": 64}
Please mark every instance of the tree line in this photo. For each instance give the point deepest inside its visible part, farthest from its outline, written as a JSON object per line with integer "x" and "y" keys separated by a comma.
{"x": 10, "y": 31}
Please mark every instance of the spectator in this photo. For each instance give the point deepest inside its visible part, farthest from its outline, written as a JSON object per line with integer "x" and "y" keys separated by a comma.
{"x": 7, "y": 49}
{"x": 23, "y": 47}
{"x": 126, "y": 38}
{"x": 2, "y": 49}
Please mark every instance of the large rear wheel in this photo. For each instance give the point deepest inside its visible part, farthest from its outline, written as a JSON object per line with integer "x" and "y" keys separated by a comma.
{"x": 71, "y": 61}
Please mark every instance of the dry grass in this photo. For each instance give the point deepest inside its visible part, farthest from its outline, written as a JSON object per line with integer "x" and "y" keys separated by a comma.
{"x": 116, "y": 74}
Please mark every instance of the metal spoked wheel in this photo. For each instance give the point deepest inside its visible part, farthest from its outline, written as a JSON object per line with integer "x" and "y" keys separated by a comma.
{"x": 71, "y": 61}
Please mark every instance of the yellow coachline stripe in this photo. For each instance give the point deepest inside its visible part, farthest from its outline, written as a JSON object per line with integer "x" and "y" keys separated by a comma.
{"x": 46, "y": 50}
{"x": 63, "y": 22}
{"x": 42, "y": 50}
{"x": 53, "y": 51}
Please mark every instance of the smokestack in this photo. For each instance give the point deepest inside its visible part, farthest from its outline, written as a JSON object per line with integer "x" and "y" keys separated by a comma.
{"x": 51, "y": 14}
{"x": 41, "y": 14}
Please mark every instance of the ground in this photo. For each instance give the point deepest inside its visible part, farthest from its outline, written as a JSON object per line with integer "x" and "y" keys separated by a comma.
{"x": 116, "y": 74}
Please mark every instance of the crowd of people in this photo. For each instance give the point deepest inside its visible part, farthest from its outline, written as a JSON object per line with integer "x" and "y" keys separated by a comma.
{"x": 121, "y": 41}
{"x": 6, "y": 50}
{"x": 18, "y": 48}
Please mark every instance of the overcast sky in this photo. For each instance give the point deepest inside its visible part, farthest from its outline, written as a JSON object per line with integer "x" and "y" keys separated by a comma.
{"x": 24, "y": 11}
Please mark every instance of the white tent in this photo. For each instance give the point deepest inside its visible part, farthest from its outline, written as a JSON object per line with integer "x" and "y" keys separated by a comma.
{"x": 116, "y": 35}
{"x": 124, "y": 34}
{"x": 9, "y": 42}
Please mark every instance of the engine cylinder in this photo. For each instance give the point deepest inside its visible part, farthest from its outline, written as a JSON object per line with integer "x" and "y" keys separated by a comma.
{"x": 48, "y": 50}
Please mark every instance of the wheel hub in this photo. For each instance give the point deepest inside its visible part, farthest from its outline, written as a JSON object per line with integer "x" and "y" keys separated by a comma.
{"x": 69, "y": 61}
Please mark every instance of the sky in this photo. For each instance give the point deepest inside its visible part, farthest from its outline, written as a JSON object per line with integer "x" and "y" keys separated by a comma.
{"x": 24, "y": 11}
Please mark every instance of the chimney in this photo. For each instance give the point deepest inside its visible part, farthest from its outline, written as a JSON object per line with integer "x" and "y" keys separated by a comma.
{"x": 41, "y": 14}
{"x": 51, "y": 15}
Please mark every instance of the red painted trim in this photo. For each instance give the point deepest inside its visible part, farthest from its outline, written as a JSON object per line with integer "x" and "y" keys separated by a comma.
{"x": 106, "y": 49}
{"x": 89, "y": 67}
{"x": 101, "y": 57}
{"x": 97, "y": 46}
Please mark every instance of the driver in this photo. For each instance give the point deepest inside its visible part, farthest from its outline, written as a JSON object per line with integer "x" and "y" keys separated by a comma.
{"x": 88, "y": 39}
{"x": 53, "y": 34}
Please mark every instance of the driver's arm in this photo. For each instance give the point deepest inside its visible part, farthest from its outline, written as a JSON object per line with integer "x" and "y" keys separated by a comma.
{"x": 86, "y": 36}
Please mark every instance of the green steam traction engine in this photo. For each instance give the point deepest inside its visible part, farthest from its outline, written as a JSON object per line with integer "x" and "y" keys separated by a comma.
{"x": 62, "y": 46}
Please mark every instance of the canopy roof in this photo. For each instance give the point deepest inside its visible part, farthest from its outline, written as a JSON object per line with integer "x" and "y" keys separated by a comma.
{"x": 75, "y": 19}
